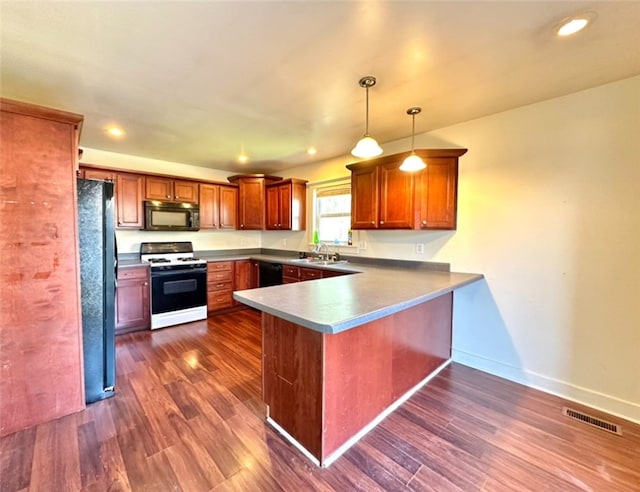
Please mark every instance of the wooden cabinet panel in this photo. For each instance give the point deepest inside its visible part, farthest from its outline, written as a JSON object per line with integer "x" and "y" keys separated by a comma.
{"x": 290, "y": 274}
{"x": 251, "y": 204}
{"x": 383, "y": 197}
{"x": 168, "y": 189}
{"x": 252, "y": 199}
{"x": 286, "y": 205}
{"x": 41, "y": 376}
{"x": 99, "y": 174}
{"x": 220, "y": 278}
{"x": 218, "y": 206}
{"x": 130, "y": 213}
{"x": 333, "y": 273}
{"x": 133, "y": 309}
{"x": 242, "y": 277}
{"x": 396, "y": 198}
{"x": 185, "y": 191}
{"x": 228, "y": 207}
{"x": 292, "y": 379}
{"x": 310, "y": 273}
{"x": 364, "y": 198}
{"x": 158, "y": 188}
{"x": 255, "y": 274}
{"x": 438, "y": 188}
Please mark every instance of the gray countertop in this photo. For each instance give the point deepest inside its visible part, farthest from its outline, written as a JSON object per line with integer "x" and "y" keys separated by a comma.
{"x": 335, "y": 304}
{"x": 332, "y": 305}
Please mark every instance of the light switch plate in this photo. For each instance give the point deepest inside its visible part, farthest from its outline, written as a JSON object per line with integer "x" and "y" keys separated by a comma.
{"x": 419, "y": 248}
{"x": 362, "y": 245}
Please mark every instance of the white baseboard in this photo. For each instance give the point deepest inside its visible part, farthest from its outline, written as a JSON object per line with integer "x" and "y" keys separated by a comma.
{"x": 605, "y": 403}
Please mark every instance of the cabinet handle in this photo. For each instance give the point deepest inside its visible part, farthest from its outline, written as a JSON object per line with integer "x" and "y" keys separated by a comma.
{"x": 146, "y": 283}
{"x": 381, "y": 222}
{"x": 241, "y": 226}
{"x": 424, "y": 222}
{"x": 177, "y": 197}
{"x": 373, "y": 222}
{"x": 169, "y": 197}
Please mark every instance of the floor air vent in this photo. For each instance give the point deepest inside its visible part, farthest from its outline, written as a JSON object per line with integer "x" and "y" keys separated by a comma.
{"x": 594, "y": 421}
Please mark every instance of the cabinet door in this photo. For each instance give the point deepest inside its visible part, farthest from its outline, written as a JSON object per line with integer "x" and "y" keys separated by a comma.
{"x": 396, "y": 198}
{"x": 438, "y": 188}
{"x": 284, "y": 206}
{"x": 364, "y": 198}
{"x": 228, "y": 207}
{"x": 251, "y": 204}
{"x": 273, "y": 208}
{"x": 242, "y": 277}
{"x": 132, "y": 301}
{"x": 255, "y": 274}
{"x": 209, "y": 212}
{"x": 99, "y": 174}
{"x": 157, "y": 188}
{"x": 129, "y": 201}
{"x": 185, "y": 191}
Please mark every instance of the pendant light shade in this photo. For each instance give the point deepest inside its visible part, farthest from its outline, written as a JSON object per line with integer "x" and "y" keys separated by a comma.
{"x": 367, "y": 145}
{"x": 413, "y": 162}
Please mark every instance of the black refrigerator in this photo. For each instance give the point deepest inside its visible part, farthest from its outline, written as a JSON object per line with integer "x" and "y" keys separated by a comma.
{"x": 97, "y": 242}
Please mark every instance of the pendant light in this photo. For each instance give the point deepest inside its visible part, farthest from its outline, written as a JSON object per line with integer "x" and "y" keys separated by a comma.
{"x": 367, "y": 145}
{"x": 413, "y": 162}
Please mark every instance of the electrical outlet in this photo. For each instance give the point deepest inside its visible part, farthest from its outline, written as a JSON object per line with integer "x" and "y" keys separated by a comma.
{"x": 243, "y": 242}
{"x": 419, "y": 248}
{"x": 362, "y": 245}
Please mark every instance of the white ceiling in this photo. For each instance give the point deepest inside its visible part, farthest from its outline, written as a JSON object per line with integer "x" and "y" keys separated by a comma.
{"x": 198, "y": 81}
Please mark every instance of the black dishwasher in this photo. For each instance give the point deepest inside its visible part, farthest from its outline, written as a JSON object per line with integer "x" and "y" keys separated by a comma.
{"x": 270, "y": 273}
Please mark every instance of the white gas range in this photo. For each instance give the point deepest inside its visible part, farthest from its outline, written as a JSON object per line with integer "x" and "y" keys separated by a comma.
{"x": 178, "y": 283}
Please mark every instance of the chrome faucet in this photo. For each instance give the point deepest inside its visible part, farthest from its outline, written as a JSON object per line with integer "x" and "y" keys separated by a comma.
{"x": 319, "y": 250}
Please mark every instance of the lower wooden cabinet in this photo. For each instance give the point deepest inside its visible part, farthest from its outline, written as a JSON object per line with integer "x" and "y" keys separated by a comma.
{"x": 241, "y": 277}
{"x": 133, "y": 310}
{"x": 220, "y": 279}
{"x": 290, "y": 274}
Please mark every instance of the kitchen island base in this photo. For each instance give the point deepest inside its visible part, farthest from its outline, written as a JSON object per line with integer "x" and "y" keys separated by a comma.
{"x": 324, "y": 391}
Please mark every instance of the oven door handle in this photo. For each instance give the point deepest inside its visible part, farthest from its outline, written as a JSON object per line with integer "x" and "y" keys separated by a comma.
{"x": 170, "y": 273}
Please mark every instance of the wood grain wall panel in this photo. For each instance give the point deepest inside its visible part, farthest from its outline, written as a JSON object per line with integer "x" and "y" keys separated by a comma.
{"x": 421, "y": 342}
{"x": 358, "y": 379}
{"x": 40, "y": 337}
{"x": 292, "y": 379}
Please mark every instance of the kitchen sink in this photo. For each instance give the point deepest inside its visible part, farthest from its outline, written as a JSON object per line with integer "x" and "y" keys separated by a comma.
{"x": 312, "y": 261}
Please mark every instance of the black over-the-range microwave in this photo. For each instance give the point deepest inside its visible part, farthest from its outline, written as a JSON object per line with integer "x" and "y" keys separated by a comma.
{"x": 168, "y": 216}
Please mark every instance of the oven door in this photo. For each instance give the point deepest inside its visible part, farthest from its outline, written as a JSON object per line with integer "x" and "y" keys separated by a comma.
{"x": 174, "y": 290}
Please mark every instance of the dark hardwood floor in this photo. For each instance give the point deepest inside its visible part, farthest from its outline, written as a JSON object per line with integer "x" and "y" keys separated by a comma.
{"x": 188, "y": 416}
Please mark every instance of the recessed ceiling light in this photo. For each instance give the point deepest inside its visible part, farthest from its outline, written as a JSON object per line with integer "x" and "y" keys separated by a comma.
{"x": 574, "y": 24}
{"x": 311, "y": 151}
{"x": 114, "y": 131}
{"x": 243, "y": 158}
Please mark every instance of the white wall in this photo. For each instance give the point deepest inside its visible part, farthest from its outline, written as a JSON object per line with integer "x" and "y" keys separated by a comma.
{"x": 549, "y": 212}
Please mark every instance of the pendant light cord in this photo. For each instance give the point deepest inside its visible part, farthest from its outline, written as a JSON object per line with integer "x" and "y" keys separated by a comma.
{"x": 366, "y": 112}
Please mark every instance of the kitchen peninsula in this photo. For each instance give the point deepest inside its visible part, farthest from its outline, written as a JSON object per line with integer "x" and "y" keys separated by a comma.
{"x": 339, "y": 354}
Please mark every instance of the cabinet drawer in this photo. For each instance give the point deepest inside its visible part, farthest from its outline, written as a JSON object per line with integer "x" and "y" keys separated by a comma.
{"x": 216, "y": 266}
{"x": 290, "y": 271}
{"x": 212, "y": 286}
{"x": 219, "y": 300}
{"x": 310, "y": 273}
{"x": 133, "y": 272}
{"x": 219, "y": 276}
{"x": 290, "y": 280}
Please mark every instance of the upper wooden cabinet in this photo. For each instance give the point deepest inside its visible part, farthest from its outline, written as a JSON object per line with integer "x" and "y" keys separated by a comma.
{"x": 286, "y": 205}
{"x": 129, "y": 210}
{"x": 437, "y": 191}
{"x": 383, "y": 197}
{"x": 98, "y": 174}
{"x": 172, "y": 190}
{"x": 218, "y": 206}
{"x": 251, "y": 199}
